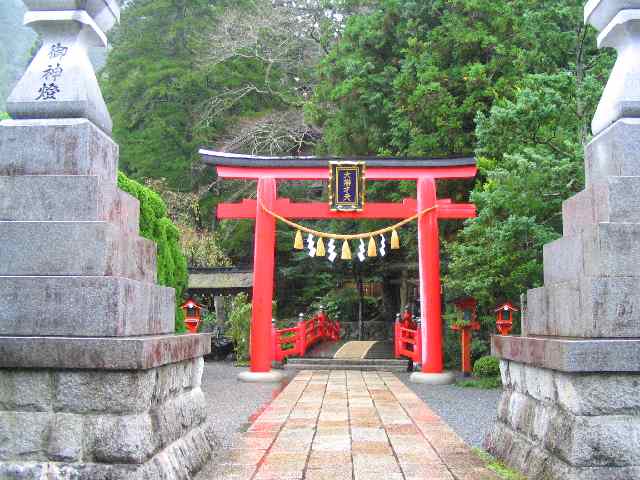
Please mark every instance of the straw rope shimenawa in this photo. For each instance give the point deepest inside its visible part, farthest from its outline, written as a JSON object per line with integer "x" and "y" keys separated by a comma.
{"x": 355, "y": 236}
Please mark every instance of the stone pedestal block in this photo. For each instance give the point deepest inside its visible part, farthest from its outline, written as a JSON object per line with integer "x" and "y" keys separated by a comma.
{"x": 615, "y": 200}
{"x": 92, "y": 424}
{"x": 614, "y": 152}
{"x": 587, "y": 308}
{"x": 600, "y": 250}
{"x": 84, "y": 306}
{"x": 570, "y": 355}
{"x": 67, "y": 198}
{"x": 93, "y": 353}
{"x": 75, "y": 248}
{"x": 56, "y": 147}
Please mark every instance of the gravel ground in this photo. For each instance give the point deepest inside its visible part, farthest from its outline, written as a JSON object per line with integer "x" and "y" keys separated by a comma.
{"x": 471, "y": 412}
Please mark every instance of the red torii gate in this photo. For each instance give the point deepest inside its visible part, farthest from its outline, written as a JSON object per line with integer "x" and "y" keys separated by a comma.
{"x": 268, "y": 170}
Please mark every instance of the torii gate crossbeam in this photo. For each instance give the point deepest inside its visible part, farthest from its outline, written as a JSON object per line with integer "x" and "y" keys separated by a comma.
{"x": 268, "y": 170}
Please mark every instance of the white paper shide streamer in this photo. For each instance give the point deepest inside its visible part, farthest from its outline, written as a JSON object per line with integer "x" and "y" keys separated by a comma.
{"x": 383, "y": 246}
{"x": 311, "y": 245}
{"x": 331, "y": 250}
{"x": 361, "y": 251}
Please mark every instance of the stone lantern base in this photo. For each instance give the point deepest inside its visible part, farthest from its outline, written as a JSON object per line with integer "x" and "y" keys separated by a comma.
{"x": 570, "y": 425}
{"x": 130, "y": 419}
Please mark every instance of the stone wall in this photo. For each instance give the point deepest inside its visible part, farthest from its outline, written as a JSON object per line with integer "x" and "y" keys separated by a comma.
{"x": 103, "y": 424}
{"x": 568, "y": 426}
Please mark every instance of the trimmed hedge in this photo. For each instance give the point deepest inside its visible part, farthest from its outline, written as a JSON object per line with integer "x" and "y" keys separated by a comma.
{"x": 156, "y": 226}
{"x": 486, "y": 367}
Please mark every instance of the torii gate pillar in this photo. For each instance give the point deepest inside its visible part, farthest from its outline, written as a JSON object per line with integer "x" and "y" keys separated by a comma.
{"x": 263, "y": 272}
{"x": 430, "y": 303}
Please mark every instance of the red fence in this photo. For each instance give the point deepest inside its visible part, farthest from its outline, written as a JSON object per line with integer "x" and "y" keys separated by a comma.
{"x": 406, "y": 342}
{"x": 294, "y": 341}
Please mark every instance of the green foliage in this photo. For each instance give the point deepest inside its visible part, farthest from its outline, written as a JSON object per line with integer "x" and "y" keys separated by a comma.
{"x": 495, "y": 465}
{"x": 4, "y": 116}
{"x": 156, "y": 226}
{"x": 516, "y": 81}
{"x": 530, "y": 156}
{"x": 343, "y": 305}
{"x": 238, "y": 326}
{"x": 411, "y": 76}
{"x": 486, "y": 367}
{"x": 173, "y": 83}
{"x": 483, "y": 383}
{"x": 486, "y": 373}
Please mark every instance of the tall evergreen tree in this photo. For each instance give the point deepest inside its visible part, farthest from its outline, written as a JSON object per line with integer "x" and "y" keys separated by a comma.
{"x": 516, "y": 81}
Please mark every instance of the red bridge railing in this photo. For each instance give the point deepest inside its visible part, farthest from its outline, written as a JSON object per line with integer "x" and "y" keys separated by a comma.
{"x": 407, "y": 342}
{"x": 295, "y": 341}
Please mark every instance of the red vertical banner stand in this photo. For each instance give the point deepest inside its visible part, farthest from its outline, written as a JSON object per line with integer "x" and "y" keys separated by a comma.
{"x": 263, "y": 273}
{"x": 429, "y": 262}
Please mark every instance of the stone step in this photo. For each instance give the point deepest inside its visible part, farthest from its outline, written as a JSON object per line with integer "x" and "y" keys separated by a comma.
{"x": 602, "y": 250}
{"x": 84, "y": 307}
{"x": 375, "y": 361}
{"x": 346, "y": 364}
{"x": 65, "y": 198}
{"x": 74, "y": 248}
{"x": 72, "y": 146}
{"x": 596, "y": 307}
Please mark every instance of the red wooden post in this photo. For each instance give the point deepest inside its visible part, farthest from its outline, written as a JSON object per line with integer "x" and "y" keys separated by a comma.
{"x": 429, "y": 260}
{"x": 396, "y": 337}
{"x": 302, "y": 337}
{"x": 274, "y": 342}
{"x": 465, "y": 343}
{"x": 263, "y": 269}
{"x": 417, "y": 354}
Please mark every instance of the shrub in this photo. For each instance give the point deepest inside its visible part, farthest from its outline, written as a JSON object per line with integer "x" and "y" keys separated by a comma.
{"x": 486, "y": 367}
{"x": 156, "y": 226}
{"x": 239, "y": 326}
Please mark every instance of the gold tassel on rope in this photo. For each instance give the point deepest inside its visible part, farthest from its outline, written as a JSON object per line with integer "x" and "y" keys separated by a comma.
{"x": 395, "y": 240}
{"x": 320, "y": 248}
{"x": 371, "y": 251}
{"x": 298, "y": 243}
{"x": 346, "y": 251}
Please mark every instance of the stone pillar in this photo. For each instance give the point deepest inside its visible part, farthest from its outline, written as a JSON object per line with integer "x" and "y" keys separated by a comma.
{"x": 93, "y": 381}
{"x": 221, "y": 314}
{"x": 570, "y": 408}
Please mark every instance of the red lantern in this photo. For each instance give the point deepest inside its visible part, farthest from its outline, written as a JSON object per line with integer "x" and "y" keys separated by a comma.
{"x": 466, "y": 308}
{"x": 504, "y": 318}
{"x": 192, "y": 314}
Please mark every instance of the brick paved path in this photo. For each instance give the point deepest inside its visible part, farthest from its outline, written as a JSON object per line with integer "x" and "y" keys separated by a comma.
{"x": 350, "y": 425}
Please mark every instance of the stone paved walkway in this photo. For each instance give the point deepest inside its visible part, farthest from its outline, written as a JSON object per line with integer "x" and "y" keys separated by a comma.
{"x": 350, "y": 425}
